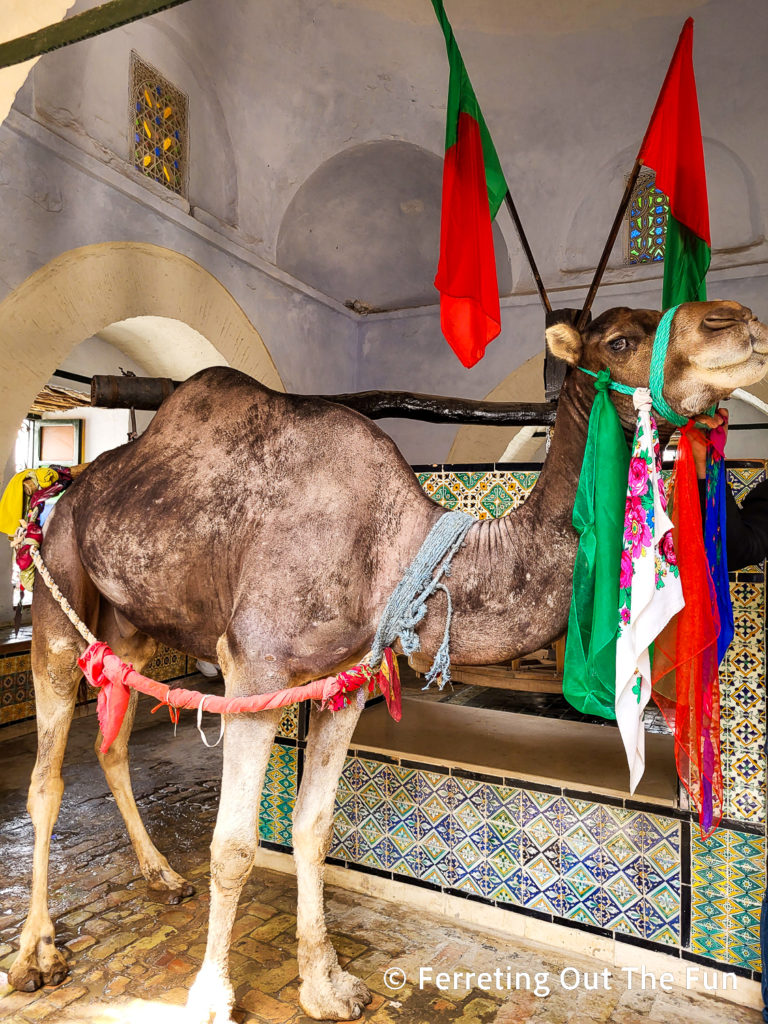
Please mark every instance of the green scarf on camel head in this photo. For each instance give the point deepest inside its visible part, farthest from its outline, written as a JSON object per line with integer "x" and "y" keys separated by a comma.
{"x": 589, "y": 677}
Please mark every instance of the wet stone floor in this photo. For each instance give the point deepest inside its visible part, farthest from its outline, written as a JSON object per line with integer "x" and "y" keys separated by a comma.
{"x": 133, "y": 959}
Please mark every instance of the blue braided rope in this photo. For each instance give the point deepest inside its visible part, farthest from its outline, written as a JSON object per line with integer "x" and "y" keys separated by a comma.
{"x": 407, "y": 605}
{"x": 656, "y": 377}
{"x": 613, "y": 385}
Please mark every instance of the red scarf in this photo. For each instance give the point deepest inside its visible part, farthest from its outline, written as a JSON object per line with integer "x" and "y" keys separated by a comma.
{"x": 686, "y": 685}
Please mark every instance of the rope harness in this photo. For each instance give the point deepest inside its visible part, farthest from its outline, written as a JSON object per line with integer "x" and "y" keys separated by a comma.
{"x": 656, "y": 375}
{"x": 408, "y": 604}
{"x": 404, "y": 611}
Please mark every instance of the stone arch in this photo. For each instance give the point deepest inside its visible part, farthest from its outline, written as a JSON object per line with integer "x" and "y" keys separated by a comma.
{"x": 83, "y": 291}
{"x": 365, "y": 227}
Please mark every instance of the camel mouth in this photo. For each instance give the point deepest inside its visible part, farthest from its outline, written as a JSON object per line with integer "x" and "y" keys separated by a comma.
{"x": 749, "y": 342}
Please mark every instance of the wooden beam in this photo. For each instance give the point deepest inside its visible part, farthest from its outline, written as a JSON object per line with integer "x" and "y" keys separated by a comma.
{"x": 112, "y": 392}
{"x": 81, "y": 26}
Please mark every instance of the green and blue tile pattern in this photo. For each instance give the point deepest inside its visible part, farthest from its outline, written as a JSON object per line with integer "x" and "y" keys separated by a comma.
{"x": 608, "y": 867}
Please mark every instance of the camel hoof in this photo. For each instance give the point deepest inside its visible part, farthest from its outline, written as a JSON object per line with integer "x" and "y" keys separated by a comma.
{"x": 29, "y": 973}
{"x": 175, "y": 896}
{"x": 341, "y": 997}
{"x": 170, "y": 887}
{"x": 210, "y": 1000}
{"x": 30, "y": 981}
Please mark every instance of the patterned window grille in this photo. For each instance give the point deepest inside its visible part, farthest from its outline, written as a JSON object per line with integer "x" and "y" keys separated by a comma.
{"x": 159, "y": 127}
{"x": 646, "y": 222}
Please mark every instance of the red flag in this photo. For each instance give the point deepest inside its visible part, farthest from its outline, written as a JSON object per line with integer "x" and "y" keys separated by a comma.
{"x": 673, "y": 148}
{"x": 473, "y": 189}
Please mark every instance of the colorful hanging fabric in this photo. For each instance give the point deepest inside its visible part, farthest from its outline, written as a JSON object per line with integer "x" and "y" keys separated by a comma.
{"x": 473, "y": 189}
{"x": 12, "y": 501}
{"x": 589, "y": 676}
{"x": 650, "y": 590}
{"x": 714, "y": 536}
{"x": 56, "y": 479}
{"x": 685, "y": 678}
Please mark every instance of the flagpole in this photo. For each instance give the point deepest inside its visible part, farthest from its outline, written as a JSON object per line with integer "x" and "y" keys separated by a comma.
{"x": 631, "y": 181}
{"x": 527, "y": 250}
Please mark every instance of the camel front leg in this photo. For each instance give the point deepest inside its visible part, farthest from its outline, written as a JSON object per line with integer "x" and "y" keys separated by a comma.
{"x": 39, "y": 962}
{"x": 327, "y": 992}
{"x": 247, "y": 745}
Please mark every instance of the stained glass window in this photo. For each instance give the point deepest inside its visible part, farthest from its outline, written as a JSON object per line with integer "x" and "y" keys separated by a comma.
{"x": 158, "y": 127}
{"x": 646, "y": 222}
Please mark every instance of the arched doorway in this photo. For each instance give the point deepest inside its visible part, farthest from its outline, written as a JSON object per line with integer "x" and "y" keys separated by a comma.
{"x": 85, "y": 291}
{"x": 160, "y": 307}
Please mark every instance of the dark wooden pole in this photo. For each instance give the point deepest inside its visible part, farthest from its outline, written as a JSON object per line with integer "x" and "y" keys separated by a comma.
{"x": 377, "y": 405}
{"x": 149, "y": 393}
{"x": 587, "y": 307}
{"x": 80, "y": 26}
{"x": 527, "y": 250}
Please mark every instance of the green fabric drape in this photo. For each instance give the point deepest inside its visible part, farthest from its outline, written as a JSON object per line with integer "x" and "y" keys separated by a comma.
{"x": 589, "y": 679}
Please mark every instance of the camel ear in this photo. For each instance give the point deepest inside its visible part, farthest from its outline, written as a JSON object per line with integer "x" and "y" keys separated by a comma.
{"x": 564, "y": 341}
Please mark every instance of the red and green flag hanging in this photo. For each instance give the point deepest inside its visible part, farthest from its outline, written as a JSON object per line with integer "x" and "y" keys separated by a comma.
{"x": 672, "y": 147}
{"x": 473, "y": 190}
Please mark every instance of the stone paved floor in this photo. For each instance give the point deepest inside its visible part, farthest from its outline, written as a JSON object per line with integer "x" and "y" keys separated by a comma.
{"x": 133, "y": 959}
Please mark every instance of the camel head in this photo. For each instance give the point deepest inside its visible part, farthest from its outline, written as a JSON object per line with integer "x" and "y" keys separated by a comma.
{"x": 714, "y": 347}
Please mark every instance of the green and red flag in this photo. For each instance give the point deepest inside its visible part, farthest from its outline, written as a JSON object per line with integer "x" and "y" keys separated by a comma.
{"x": 673, "y": 148}
{"x": 473, "y": 190}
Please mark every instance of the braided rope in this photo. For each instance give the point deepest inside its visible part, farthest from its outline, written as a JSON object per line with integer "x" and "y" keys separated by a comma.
{"x": 656, "y": 379}
{"x": 64, "y": 604}
{"x": 613, "y": 385}
{"x": 407, "y": 605}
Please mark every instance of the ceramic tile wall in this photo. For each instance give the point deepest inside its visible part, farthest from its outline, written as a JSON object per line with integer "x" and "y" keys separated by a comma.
{"x": 727, "y": 885}
{"x": 485, "y": 494}
{"x": 289, "y": 723}
{"x": 169, "y": 664}
{"x": 17, "y": 698}
{"x": 609, "y": 867}
{"x": 279, "y": 795}
{"x": 742, "y": 682}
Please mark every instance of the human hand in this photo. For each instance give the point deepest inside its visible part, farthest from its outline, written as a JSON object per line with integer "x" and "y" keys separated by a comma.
{"x": 699, "y": 439}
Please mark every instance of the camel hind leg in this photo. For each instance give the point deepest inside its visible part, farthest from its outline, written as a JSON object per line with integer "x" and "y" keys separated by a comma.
{"x": 56, "y": 646}
{"x": 137, "y": 649}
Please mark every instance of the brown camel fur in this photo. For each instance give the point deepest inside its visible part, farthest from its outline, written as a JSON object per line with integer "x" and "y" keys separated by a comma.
{"x": 267, "y": 531}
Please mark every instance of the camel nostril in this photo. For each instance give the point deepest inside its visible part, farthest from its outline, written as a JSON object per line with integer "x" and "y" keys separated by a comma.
{"x": 721, "y": 322}
{"x": 726, "y": 315}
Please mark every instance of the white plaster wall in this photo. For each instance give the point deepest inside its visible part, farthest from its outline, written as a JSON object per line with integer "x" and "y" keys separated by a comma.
{"x": 277, "y": 88}
{"x": 55, "y": 197}
{"x": 104, "y": 428}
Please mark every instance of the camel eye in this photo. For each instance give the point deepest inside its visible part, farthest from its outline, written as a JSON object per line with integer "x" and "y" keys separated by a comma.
{"x": 618, "y": 344}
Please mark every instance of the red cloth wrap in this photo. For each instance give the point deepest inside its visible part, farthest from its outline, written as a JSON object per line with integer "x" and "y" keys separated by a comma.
{"x": 102, "y": 668}
{"x": 114, "y": 694}
{"x": 685, "y": 668}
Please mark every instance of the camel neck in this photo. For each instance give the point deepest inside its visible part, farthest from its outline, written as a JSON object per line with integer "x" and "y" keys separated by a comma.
{"x": 511, "y": 581}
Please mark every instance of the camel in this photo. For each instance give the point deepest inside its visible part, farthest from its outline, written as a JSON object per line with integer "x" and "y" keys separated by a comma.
{"x": 266, "y": 531}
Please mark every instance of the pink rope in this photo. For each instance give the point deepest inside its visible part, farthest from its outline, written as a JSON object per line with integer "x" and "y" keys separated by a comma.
{"x": 318, "y": 689}
{"x": 102, "y": 668}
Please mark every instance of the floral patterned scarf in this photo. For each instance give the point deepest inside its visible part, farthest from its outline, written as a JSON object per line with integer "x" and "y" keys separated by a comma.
{"x": 650, "y": 590}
